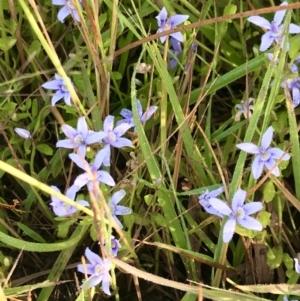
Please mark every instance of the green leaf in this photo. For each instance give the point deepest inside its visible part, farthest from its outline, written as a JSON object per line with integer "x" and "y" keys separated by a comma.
{"x": 41, "y": 247}
{"x": 45, "y": 149}
{"x": 31, "y": 233}
{"x": 63, "y": 227}
{"x": 276, "y": 261}
{"x": 269, "y": 191}
{"x": 7, "y": 43}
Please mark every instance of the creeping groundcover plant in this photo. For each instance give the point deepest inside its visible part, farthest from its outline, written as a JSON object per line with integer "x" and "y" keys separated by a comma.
{"x": 135, "y": 206}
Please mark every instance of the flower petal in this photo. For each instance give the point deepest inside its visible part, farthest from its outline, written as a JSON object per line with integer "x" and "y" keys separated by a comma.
{"x": 139, "y": 108}
{"x": 95, "y": 138}
{"x": 297, "y": 266}
{"x": 79, "y": 161}
{"x": 249, "y": 148}
{"x": 56, "y": 97}
{"x": 279, "y": 15}
{"x": 162, "y": 16}
{"x": 66, "y": 143}
{"x": 117, "y": 221}
{"x": 238, "y": 199}
{"x": 122, "y": 210}
{"x": 67, "y": 98}
{"x": 177, "y": 35}
{"x": 267, "y": 138}
{"x": 81, "y": 180}
{"x": 250, "y": 223}
{"x": 260, "y": 21}
{"x": 178, "y": 19}
{"x": 220, "y": 206}
{"x": 105, "y": 178}
{"x": 296, "y": 96}
{"x": 252, "y": 207}
{"x": 147, "y": 115}
{"x": 63, "y": 13}
{"x": 228, "y": 230}
{"x": 121, "y": 129}
{"x": 121, "y": 142}
{"x": 257, "y": 167}
{"x": 266, "y": 41}
{"x": 126, "y": 113}
{"x": 82, "y": 126}
{"x": 105, "y": 284}
{"x": 294, "y": 28}
{"x": 58, "y": 2}
{"x": 52, "y": 84}
{"x": 81, "y": 150}
{"x": 117, "y": 197}
{"x": 270, "y": 164}
{"x": 92, "y": 257}
{"x": 99, "y": 158}
{"x": 108, "y": 123}
{"x": 69, "y": 131}
{"x": 276, "y": 153}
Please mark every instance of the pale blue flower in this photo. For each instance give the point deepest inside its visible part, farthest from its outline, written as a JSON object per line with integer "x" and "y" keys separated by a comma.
{"x": 165, "y": 23}
{"x": 62, "y": 90}
{"x": 112, "y": 136}
{"x": 128, "y": 115}
{"x": 265, "y": 156}
{"x": 98, "y": 268}
{"x": 60, "y": 208}
{"x": 206, "y": 196}
{"x": 238, "y": 213}
{"x": 98, "y": 176}
{"x": 274, "y": 28}
{"x": 67, "y": 9}
{"x": 79, "y": 138}
{"x": 116, "y": 209}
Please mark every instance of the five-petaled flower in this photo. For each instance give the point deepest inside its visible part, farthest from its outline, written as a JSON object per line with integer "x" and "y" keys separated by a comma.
{"x": 93, "y": 176}
{"x": 165, "y": 23}
{"x": 23, "y": 133}
{"x": 79, "y": 138}
{"x": 128, "y": 115}
{"x": 238, "y": 213}
{"x": 244, "y": 108}
{"x": 98, "y": 268}
{"x": 274, "y": 28}
{"x": 62, "y": 90}
{"x": 264, "y": 154}
{"x": 60, "y": 208}
{"x": 116, "y": 209}
{"x": 67, "y": 9}
{"x": 204, "y": 201}
{"x": 112, "y": 136}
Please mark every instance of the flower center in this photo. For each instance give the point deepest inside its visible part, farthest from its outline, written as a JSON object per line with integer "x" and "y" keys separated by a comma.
{"x": 240, "y": 213}
{"x": 274, "y": 28}
{"x": 78, "y": 139}
{"x": 111, "y": 137}
{"x": 166, "y": 25}
{"x": 99, "y": 269}
{"x": 69, "y": 4}
{"x": 265, "y": 156}
{"x": 64, "y": 88}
